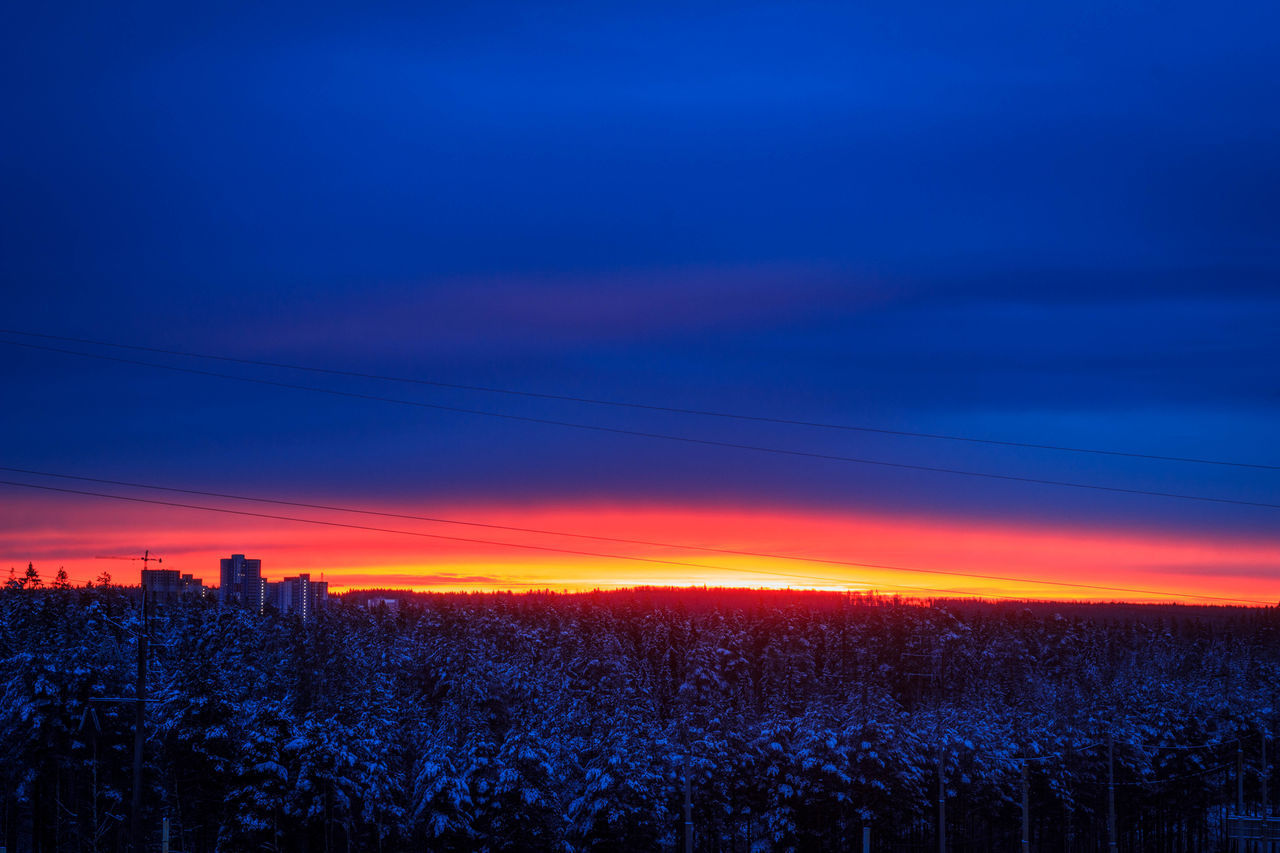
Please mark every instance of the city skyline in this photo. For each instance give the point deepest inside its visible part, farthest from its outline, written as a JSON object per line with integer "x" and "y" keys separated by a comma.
{"x": 935, "y": 557}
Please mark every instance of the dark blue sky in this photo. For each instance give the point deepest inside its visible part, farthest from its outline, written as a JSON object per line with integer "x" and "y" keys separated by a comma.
{"x": 1053, "y": 223}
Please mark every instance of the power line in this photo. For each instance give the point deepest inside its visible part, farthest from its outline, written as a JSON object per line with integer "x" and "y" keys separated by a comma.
{"x": 620, "y": 540}
{"x": 575, "y": 552}
{"x": 1145, "y": 782}
{"x": 223, "y": 510}
{"x": 657, "y": 435}
{"x": 489, "y": 389}
{"x": 1051, "y": 756}
{"x": 1207, "y": 745}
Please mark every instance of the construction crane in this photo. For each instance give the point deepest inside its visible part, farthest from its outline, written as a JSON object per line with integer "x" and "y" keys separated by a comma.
{"x": 145, "y": 558}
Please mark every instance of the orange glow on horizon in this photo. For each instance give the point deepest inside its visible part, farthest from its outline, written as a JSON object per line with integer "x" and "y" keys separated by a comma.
{"x": 54, "y": 532}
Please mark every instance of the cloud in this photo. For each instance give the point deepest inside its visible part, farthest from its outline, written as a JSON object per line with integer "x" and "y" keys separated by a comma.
{"x": 401, "y": 581}
{"x": 463, "y": 316}
{"x": 860, "y": 544}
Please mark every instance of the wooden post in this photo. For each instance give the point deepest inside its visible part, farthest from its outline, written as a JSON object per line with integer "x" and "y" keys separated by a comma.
{"x": 1266, "y": 799}
{"x": 1111, "y": 794}
{"x": 1265, "y": 772}
{"x": 164, "y": 836}
{"x": 942, "y": 801}
{"x": 688, "y": 815}
{"x": 139, "y": 736}
{"x": 1240, "y": 777}
{"x": 1026, "y": 811}
{"x": 95, "y": 825}
{"x": 866, "y": 840}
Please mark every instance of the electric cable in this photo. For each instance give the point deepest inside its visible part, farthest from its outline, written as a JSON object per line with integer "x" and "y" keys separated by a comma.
{"x": 489, "y": 389}
{"x": 619, "y": 540}
{"x": 575, "y": 552}
{"x": 662, "y": 436}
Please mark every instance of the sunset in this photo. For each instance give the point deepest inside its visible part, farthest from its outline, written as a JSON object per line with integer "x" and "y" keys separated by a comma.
{"x": 662, "y": 546}
{"x": 760, "y": 428}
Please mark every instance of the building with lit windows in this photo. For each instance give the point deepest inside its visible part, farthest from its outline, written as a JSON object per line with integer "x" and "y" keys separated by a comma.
{"x": 299, "y": 595}
{"x": 242, "y": 583}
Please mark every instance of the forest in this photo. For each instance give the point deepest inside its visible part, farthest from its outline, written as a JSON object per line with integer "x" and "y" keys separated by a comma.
{"x": 573, "y": 722}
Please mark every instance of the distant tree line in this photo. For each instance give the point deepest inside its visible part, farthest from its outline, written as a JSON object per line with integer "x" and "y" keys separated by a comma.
{"x": 545, "y": 722}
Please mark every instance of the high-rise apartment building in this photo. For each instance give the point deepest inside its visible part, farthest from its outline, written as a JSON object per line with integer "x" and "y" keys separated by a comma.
{"x": 299, "y": 595}
{"x": 162, "y": 584}
{"x": 242, "y": 583}
{"x": 170, "y": 585}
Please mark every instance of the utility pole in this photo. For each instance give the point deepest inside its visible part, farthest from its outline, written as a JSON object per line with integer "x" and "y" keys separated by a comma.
{"x": 139, "y": 735}
{"x": 1240, "y": 777}
{"x": 139, "y": 700}
{"x": 1026, "y": 811}
{"x": 1111, "y": 793}
{"x": 688, "y": 815}
{"x": 942, "y": 801}
{"x": 1266, "y": 771}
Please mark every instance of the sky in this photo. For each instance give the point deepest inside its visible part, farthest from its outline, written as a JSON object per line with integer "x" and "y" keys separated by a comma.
{"x": 1042, "y": 223}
